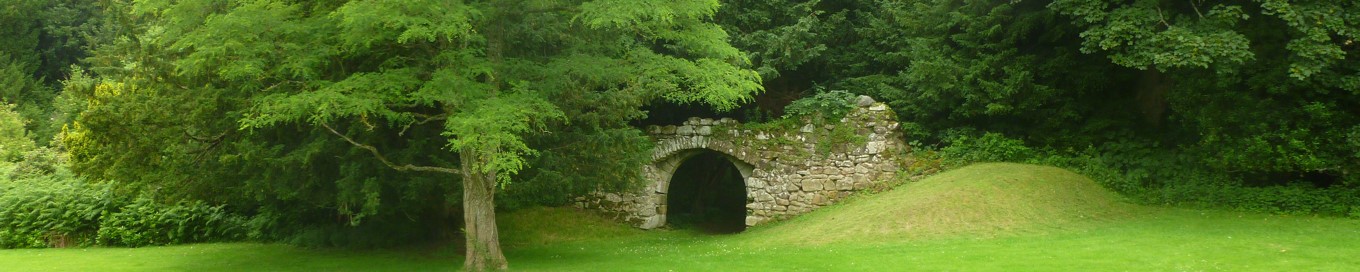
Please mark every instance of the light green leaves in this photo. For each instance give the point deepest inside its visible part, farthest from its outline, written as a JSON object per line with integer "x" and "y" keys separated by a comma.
{"x": 368, "y": 22}
{"x": 494, "y": 127}
{"x": 678, "y": 22}
{"x": 14, "y": 141}
{"x": 360, "y": 95}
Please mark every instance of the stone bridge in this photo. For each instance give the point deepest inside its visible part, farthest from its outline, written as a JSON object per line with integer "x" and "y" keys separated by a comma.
{"x": 787, "y": 169}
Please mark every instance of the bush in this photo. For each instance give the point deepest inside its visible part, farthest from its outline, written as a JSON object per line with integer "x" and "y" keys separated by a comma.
{"x": 1157, "y": 175}
{"x": 830, "y": 105}
{"x": 60, "y": 210}
{"x": 50, "y": 211}
{"x": 1164, "y": 176}
{"x": 990, "y": 147}
{"x": 14, "y": 138}
{"x": 38, "y": 162}
{"x": 143, "y": 222}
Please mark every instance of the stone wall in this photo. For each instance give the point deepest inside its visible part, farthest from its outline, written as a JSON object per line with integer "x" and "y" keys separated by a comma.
{"x": 788, "y": 170}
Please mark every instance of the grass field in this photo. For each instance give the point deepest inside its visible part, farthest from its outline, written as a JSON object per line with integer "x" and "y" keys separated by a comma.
{"x": 992, "y": 217}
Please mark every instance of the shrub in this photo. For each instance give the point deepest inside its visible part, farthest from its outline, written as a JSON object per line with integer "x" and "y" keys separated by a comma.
{"x": 50, "y": 211}
{"x": 1153, "y": 174}
{"x": 60, "y": 210}
{"x": 14, "y": 140}
{"x": 144, "y": 222}
{"x": 1178, "y": 178}
{"x": 990, "y": 147}
{"x": 36, "y": 163}
{"x": 830, "y": 105}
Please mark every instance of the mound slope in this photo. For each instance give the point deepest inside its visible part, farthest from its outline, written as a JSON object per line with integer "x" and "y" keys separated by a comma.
{"x": 980, "y": 200}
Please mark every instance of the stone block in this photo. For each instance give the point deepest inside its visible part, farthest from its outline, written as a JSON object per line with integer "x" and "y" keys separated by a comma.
{"x": 878, "y": 107}
{"x": 862, "y": 184}
{"x": 763, "y": 197}
{"x": 685, "y": 130}
{"x": 753, "y": 220}
{"x": 755, "y": 183}
{"x": 705, "y": 130}
{"x": 862, "y": 169}
{"x": 653, "y": 222}
{"x": 864, "y": 101}
{"x": 812, "y": 185}
{"x": 875, "y": 147}
{"x": 845, "y": 185}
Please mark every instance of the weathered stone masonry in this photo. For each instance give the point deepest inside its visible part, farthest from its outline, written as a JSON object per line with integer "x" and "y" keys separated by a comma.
{"x": 788, "y": 171}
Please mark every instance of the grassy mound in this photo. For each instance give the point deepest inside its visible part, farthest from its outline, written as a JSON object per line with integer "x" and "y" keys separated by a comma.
{"x": 981, "y": 200}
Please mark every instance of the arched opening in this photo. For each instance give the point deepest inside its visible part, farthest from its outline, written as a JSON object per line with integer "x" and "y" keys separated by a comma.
{"x": 707, "y": 193}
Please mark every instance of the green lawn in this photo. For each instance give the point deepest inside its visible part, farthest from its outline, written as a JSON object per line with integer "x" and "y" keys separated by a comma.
{"x": 976, "y": 219}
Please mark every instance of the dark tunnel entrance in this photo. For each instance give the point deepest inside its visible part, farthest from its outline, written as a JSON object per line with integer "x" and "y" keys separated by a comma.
{"x": 707, "y": 193}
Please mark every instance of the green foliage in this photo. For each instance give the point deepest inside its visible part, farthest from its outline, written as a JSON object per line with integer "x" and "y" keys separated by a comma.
{"x": 1262, "y": 85}
{"x": 990, "y": 147}
{"x": 1164, "y": 176}
{"x": 1141, "y": 35}
{"x": 803, "y": 31}
{"x": 14, "y": 141}
{"x": 145, "y": 222}
{"x": 999, "y": 66}
{"x": 1238, "y": 86}
{"x": 827, "y": 106}
{"x": 40, "y": 41}
{"x": 577, "y": 164}
{"x": 60, "y": 210}
{"x": 340, "y": 122}
{"x": 1156, "y": 175}
{"x": 51, "y": 211}
{"x": 38, "y": 162}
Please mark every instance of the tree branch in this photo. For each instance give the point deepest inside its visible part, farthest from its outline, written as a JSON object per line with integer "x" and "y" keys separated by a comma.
{"x": 428, "y": 118}
{"x": 384, "y": 160}
{"x": 1161, "y": 18}
{"x": 1196, "y": 7}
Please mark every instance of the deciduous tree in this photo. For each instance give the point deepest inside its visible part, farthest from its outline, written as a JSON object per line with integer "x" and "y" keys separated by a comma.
{"x": 447, "y": 87}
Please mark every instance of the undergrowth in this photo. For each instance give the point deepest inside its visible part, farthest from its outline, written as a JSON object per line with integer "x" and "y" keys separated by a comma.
{"x": 44, "y": 205}
{"x": 1153, "y": 175}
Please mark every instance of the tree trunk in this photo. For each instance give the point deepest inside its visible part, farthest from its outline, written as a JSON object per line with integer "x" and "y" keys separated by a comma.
{"x": 1151, "y": 97}
{"x": 479, "y": 217}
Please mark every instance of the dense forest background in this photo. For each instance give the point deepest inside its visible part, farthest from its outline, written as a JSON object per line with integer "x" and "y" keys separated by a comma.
{"x": 309, "y": 121}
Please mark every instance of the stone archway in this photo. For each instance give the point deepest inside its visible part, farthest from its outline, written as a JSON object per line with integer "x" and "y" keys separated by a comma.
{"x": 787, "y": 170}
{"x": 707, "y": 192}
